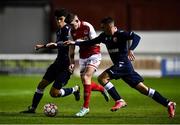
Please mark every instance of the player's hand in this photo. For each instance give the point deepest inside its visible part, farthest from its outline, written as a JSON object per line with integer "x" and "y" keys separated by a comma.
{"x": 71, "y": 68}
{"x": 131, "y": 55}
{"x": 69, "y": 42}
{"x": 51, "y": 45}
{"x": 39, "y": 46}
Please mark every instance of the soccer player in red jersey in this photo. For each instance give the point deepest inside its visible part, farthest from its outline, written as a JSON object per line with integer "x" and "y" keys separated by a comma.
{"x": 89, "y": 61}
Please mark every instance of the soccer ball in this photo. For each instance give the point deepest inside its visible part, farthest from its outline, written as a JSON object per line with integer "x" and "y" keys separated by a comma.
{"x": 50, "y": 110}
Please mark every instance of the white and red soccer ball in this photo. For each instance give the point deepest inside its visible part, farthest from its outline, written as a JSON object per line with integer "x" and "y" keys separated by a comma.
{"x": 50, "y": 109}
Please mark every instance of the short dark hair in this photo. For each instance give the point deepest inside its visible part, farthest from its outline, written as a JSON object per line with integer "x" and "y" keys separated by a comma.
{"x": 107, "y": 20}
{"x": 61, "y": 12}
{"x": 70, "y": 18}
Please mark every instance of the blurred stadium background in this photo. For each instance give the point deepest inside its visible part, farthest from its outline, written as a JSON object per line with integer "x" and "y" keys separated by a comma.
{"x": 25, "y": 22}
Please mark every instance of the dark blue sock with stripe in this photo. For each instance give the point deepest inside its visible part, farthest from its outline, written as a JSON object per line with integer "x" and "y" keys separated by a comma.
{"x": 67, "y": 91}
{"x": 112, "y": 91}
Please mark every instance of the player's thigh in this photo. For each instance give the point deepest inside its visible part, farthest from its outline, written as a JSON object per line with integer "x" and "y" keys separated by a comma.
{"x": 94, "y": 61}
{"x": 91, "y": 66}
{"x": 103, "y": 78}
{"x": 82, "y": 65}
{"x": 115, "y": 72}
{"x": 51, "y": 73}
{"x": 89, "y": 71}
{"x": 62, "y": 79}
{"x": 43, "y": 84}
{"x": 132, "y": 79}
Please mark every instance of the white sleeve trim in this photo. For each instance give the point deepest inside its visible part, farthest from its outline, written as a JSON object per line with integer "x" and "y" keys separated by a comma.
{"x": 92, "y": 32}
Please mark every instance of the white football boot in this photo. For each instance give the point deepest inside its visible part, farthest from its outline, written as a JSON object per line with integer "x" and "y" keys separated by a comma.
{"x": 83, "y": 111}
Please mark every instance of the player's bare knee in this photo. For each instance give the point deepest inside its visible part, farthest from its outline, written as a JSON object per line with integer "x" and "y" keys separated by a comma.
{"x": 43, "y": 84}
{"x": 54, "y": 92}
{"x": 100, "y": 80}
{"x": 86, "y": 77}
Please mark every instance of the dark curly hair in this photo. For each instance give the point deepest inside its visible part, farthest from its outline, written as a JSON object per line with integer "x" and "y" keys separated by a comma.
{"x": 61, "y": 12}
{"x": 70, "y": 18}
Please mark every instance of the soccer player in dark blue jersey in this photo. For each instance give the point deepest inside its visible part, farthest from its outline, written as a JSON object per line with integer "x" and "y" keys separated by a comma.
{"x": 121, "y": 54}
{"x": 58, "y": 72}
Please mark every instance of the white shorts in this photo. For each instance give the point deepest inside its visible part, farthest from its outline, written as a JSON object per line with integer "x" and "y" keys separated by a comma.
{"x": 93, "y": 61}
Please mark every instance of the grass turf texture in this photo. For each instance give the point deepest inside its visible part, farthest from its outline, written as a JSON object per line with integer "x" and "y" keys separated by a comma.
{"x": 16, "y": 94}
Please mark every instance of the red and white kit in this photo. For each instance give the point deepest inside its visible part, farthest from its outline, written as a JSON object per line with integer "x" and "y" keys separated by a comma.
{"x": 89, "y": 55}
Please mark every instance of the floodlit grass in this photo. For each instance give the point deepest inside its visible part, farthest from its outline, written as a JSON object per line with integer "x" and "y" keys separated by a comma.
{"x": 16, "y": 94}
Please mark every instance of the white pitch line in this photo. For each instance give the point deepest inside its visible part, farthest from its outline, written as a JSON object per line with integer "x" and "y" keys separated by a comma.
{"x": 15, "y": 93}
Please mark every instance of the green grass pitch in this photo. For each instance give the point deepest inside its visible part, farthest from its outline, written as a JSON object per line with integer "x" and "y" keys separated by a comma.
{"x": 16, "y": 94}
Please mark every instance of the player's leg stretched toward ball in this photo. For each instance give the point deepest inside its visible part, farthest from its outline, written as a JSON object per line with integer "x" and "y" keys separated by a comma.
{"x": 56, "y": 89}
{"x": 135, "y": 81}
{"x": 155, "y": 95}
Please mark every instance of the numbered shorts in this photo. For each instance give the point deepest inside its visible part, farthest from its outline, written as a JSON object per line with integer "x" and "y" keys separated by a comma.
{"x": 58, "y": 74}
{"x": 126, "y": 73}
{"x": 93, "y": 61}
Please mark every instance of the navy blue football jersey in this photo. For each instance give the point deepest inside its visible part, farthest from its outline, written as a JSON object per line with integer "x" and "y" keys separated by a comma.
{"x": 117, "y": 44}
{"x": 61, "y": 36}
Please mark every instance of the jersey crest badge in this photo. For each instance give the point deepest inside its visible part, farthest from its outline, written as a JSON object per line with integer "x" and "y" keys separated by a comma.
{"x": 115, "y": 39}
{"x": 85, "y": 32}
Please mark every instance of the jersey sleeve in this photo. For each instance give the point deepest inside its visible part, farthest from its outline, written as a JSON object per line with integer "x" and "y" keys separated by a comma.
{"x": 132, "y": 36}
{"x": 91, "y": 42}
{"x": 92, "y": 32}
{"x": 135, "y": 40}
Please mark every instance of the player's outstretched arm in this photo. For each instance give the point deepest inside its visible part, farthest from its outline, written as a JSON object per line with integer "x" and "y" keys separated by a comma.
{"x": 51, "y": 45}
{"x": 69, "y": 42}
{"x": 39, "y": 46}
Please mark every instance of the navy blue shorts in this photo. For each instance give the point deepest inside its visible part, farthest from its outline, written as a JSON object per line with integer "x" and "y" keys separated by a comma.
{"x": 58, "y": 74}
{"x": 126, "y": 73}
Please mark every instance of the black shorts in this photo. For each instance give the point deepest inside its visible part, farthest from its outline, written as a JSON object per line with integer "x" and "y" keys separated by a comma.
{"x": 59, "y": 74}
{"x": 126, "y": 73}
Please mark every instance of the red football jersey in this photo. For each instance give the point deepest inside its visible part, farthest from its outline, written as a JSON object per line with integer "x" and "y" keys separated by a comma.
{"x": 85, "y": 32}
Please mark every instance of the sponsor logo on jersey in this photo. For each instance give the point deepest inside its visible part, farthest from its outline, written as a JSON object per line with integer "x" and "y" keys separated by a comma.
{"x": 113, "y": 50}
{"x": 86, "y": 32}
{"x": 115, "y": 39}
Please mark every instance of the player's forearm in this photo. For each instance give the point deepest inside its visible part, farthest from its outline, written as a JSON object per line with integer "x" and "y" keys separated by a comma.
{"x": 40, "y": 46}
{"x": 135, "y": 41}
{"x": 87, "y": 42}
